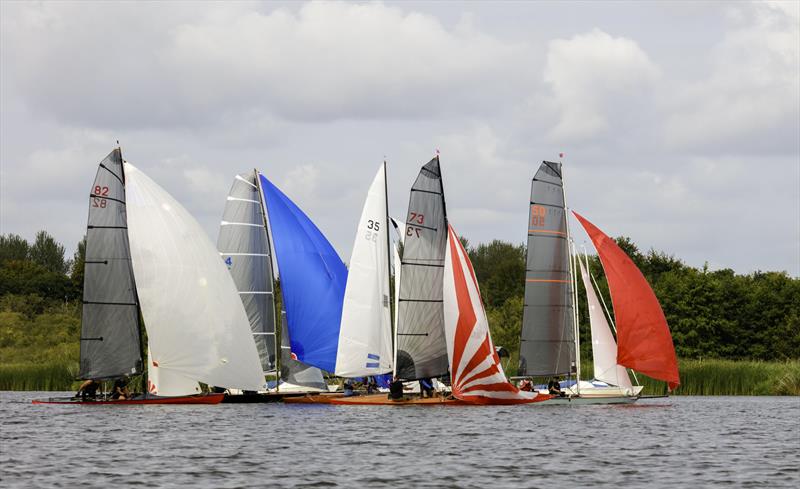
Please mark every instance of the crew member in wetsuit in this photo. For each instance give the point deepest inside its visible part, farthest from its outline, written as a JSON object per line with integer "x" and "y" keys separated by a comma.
{"x": 88, "y": 390}
{"x": 120, "y": 390}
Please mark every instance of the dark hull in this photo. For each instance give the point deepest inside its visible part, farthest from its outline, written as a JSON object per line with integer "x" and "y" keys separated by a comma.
{"x": 193, "y": 399}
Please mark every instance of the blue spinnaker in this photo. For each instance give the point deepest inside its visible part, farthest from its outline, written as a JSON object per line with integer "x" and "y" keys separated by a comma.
{"x": 313, "y": 279}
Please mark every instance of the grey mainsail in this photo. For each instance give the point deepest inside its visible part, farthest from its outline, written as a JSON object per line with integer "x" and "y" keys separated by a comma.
{"x": 293, "y": 371}
{"x": 421, "y": 346}
{"x": 547, "y": 345}
{"x": 244, "y": 246}
{"x": 110, "y": 332}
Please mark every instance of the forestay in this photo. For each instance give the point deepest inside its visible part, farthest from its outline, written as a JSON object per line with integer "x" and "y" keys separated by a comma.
{"x": 110, "y": 334}
{"x": 196, "y": 325}
{"x": 365, "y": 338}
{"x": 604, "y": 347}
{"x": 244, "y": 246}
{"x": 421, "y": 345}
{"x": 475, "y": 369}
{"x": 313, "y": 280}
{"x": 644, "y": 342}
{"x": 547, "y": 343}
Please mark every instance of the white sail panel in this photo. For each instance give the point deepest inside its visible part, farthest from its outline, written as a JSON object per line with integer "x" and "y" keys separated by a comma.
{"x": 196, "y": 324}
{"x": 365, "y": 337}
{"x": 166, "y": 383}
{"x": 604, "y": 347}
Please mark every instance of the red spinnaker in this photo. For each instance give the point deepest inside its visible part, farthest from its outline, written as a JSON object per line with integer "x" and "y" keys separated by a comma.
{"x": 644, "y": 342}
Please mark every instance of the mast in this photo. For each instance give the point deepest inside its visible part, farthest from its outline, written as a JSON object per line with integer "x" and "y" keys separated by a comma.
{"x": 574, "y": 285}
{"x": 389, "y": 265}
{"x": 276, "y": 344}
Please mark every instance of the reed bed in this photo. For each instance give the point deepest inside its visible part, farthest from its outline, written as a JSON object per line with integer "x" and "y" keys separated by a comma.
{"x": 50, "y": 376}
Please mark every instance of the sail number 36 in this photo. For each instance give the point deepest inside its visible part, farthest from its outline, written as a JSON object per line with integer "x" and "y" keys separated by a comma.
{"x": 538, "y": 213}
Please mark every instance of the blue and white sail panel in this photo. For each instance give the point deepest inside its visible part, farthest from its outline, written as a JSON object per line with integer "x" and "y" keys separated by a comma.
{"x": 313, "y": 280}
{"x": 365, "y": 337}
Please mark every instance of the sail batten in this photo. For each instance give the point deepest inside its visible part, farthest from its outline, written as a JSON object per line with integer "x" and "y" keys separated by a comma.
{"x": 547, "y": 343}
{"x": 644, "y": 342}
{"x": 421, "y": 346}
{"x": 110, "y": 334}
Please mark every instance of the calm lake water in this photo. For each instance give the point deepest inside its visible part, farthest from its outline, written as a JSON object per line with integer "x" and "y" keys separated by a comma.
{"x": 676, "y": 442}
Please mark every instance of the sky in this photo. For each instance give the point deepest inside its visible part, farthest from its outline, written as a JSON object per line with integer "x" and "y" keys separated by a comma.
{"x": 679, "y": 121}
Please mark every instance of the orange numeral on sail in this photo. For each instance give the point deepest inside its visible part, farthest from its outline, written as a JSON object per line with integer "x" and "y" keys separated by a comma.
{"x": 537, "y": 215}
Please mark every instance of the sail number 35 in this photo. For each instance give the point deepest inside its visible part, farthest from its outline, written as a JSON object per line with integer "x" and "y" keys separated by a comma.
{"x": 538, "y": 213}
{"x": 372, "y": 231}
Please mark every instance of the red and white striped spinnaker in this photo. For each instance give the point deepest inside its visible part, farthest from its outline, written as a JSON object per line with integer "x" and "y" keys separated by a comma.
{"x": 475, "y": 369}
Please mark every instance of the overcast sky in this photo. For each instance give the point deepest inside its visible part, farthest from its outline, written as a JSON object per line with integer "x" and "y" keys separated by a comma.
{"x": 680, "y": 121}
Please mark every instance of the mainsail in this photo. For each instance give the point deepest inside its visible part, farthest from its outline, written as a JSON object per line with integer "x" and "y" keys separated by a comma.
{"x": 311, "y": 273}
{"x": 604, "y": 347}
{"x": 644, "y": 342}
{"x": 110, "y": 334}
{"x": 244, "y": 246}
{"x": 365, "y": 337}
{"x": 421, "y": 345}
{"x": 196, "y": 325}
{"x": 475, "y": 369}
{"x": 547, "y": 344}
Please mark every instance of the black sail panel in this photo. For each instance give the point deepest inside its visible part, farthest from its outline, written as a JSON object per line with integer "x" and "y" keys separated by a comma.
{"x": 421, "y": 345}
{"x": 110, "y": 334}
{"x": 547, "y": 345}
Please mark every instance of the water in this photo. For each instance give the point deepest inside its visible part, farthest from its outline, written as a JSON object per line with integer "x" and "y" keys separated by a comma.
{"x": 679, "y": 442}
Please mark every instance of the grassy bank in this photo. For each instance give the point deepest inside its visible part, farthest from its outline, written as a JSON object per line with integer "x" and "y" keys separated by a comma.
{"x": 698, "y": 378}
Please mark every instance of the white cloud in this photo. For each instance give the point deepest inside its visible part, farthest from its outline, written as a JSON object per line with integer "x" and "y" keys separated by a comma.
{"x": 597, "y": 81}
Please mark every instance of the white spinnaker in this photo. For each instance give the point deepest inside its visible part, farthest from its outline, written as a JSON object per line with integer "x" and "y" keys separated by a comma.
{"x": 196, "y": 324}
{"x": 604, "y": 347}
{"x": 168, "y": 383}
{"x": 365, "y": 337}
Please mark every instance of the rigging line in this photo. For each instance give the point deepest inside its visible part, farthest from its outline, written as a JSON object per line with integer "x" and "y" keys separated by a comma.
{"x": 104, "y": 197}
{"x": 111, "y": 172}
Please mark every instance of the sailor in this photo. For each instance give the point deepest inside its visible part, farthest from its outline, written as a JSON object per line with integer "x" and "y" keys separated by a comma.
{"x": 526, "y": 385}
{"x": 554, "y": 387}
{"x": 425, "y": 388}
{"x": 396, "y": 390}
{"x": 348, "y": 388}
{"x": 88, "y": 390}
{"x": 372, "y": 385}
{"x": 120, "y": 390}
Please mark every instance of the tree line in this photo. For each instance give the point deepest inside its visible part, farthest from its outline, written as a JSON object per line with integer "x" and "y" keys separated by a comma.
{"x": 712, "y": 314}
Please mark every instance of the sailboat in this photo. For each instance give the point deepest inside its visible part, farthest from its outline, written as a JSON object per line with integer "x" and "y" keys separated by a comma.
{"x": 441, "y": 325}
{"x": 244, "y": 243}
{"x": 550, "y": 343}
{"x": 147, "y": 260}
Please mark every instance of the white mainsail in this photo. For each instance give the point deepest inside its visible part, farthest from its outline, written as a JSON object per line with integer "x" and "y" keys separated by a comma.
{"x": 196, "y": 324}
{"x": 604, "y": 347}
{"x": 365, "y": 337}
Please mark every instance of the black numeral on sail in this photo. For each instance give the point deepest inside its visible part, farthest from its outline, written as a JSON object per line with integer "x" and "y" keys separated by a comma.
{"x": 374, "y": 225}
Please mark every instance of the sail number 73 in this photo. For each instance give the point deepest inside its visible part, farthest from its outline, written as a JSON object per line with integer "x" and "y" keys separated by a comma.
{"x": 413, "y": 218}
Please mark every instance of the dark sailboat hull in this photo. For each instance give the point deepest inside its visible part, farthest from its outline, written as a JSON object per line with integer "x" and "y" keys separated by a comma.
{"x": 193, "y": 399}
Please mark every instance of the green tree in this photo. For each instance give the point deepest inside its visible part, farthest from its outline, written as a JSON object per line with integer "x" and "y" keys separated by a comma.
{"x": 48, "y": 253}
{"x": 78, "y": 261}
{"x": 13, "y": 247}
